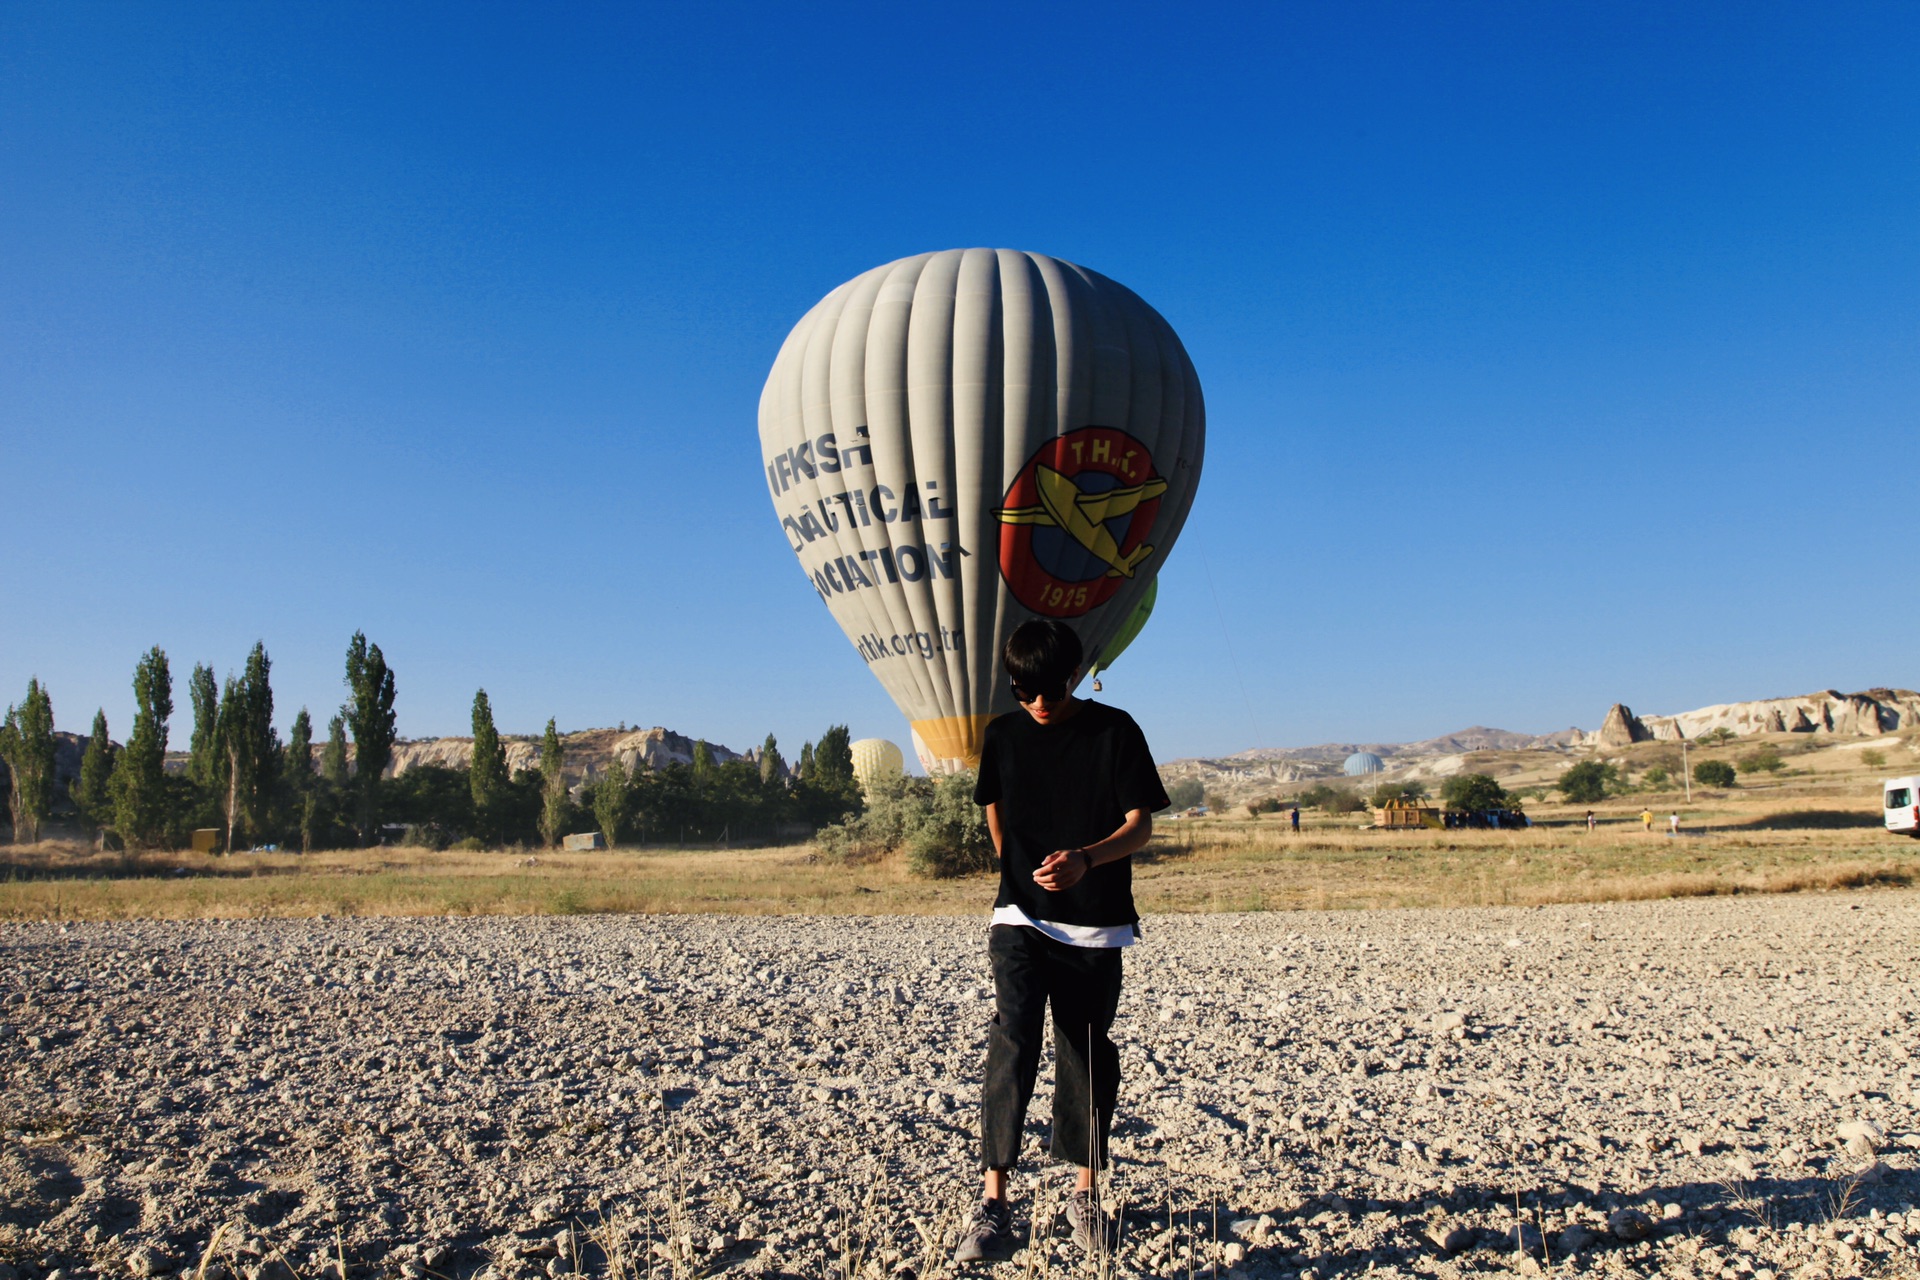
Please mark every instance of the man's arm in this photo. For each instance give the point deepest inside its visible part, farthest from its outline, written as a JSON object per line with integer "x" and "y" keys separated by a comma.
{"x": 1064, "y": 868}
{"x": 993, "y": 826}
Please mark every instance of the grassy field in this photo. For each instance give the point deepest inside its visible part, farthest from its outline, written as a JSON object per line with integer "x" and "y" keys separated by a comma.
{"x": 1732, "y": 844}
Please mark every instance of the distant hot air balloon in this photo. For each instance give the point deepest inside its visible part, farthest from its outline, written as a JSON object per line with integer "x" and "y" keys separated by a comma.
{"x": 957, "y": 442}
{"x": 874, "y": 761}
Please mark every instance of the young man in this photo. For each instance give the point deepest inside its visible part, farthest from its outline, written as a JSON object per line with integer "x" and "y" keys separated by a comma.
{"x": 1070, "y": 789}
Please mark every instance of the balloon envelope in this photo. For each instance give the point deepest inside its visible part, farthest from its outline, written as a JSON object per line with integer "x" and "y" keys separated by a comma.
{"x": 874, "y": 761}
{"x": 960, "y": 441}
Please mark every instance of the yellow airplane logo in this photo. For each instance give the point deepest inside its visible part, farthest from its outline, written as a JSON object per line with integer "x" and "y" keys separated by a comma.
{"x": 1084, "y": 515}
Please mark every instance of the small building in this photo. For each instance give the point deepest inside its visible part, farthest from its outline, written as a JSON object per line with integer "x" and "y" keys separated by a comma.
{"x": 206, "y": 840}
{"x": 585, "y": 842}
{"x": 1406, "y": 814}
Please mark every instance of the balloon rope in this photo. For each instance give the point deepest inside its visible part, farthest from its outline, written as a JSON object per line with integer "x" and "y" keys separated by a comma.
{"x": 1253, "y": 727}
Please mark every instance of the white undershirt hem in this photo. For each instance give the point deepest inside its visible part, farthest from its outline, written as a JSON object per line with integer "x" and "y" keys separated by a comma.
{"x": 1074, "y": 935}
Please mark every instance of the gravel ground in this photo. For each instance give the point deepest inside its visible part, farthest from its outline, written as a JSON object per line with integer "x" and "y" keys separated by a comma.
{"x": 1717, "y": 1087}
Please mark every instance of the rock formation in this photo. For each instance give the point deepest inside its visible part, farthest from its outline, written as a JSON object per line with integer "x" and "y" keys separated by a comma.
{"x": 587, "y": 751}
{"x": 1860, "y": 715}
{"x": 1621, "y": 728}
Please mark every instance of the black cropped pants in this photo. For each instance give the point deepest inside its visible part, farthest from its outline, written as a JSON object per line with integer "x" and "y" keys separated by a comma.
{"x": 1031, "y": 971}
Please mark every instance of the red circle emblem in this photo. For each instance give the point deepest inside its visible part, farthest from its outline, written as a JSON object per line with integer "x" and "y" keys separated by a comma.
{"x": 1074, "y": 522}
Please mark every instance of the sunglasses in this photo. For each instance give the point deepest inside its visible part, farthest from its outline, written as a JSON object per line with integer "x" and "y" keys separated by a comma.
{"x": 1051, "y": 692}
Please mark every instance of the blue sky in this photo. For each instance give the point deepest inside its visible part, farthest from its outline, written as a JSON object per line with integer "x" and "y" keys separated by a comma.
{"x": 1554, "y": 354}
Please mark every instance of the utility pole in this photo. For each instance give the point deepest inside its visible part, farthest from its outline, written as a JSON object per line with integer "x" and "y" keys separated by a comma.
{"x": 1686, "y": 779}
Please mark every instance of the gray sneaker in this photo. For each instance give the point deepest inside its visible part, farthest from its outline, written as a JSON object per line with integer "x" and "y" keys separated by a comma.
{"x": 989, "y": 1234}
{"x": 1091, "y": 1226}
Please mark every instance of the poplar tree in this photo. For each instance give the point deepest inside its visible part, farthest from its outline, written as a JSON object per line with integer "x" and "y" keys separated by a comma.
{"x": 610, "y": 800}
{"x": 833, "y": 759}
{"x": 370, "y": 716}
{"x": 806, "y": 762}
{"x": 487, "y": 769}
{"x": 93, "y": 799}
{"x": 139, "y": 779}
{"x": 26, "y": 743}
{"x": 772, "y": 767}
{"x": 203, "y": 748}
{"x": 333, "y": 761}
{"x": 702, "y": 761}
{"x": 553, "y": 785}
{"x": 249, "y": 747}
{"x": 296, "y": 773}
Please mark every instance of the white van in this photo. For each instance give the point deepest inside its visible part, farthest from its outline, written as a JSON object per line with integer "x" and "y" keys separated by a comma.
{"x": 1903, "y": 805}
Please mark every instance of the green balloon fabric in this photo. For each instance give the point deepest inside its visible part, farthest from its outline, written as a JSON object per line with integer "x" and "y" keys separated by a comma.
{"x": 1135, "y": 623}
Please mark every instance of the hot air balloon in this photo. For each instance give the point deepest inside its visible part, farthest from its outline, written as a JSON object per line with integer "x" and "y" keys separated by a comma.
{"x": 960, "y": 441}
{"x": 874, "y": 761}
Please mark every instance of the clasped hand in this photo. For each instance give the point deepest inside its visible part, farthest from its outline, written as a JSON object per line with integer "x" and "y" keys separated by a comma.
{"x": 1063, "y": 869}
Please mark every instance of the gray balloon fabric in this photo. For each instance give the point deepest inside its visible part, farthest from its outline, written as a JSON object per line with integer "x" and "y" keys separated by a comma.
{"x": 960, "y": 441}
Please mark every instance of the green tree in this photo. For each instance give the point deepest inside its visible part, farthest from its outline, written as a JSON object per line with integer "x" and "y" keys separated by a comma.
{"x": 833, "y": 760}
{"x": 1716, "y": 736}
{"x": 370, "y": 716}
{"x": 26, "y": 744}
{"x": 434, "y": 801}
{"x": 93, "y": 800}
{"x": 806, "y": 770}
{"x": 333, "y": 761}
{"x": 610, "y": 797}
{"x": 249, "y": 748}
{"x": 1184, "y": 794}
{"x": 553, "y": 786}
{"x": 204, "y": 762}
{"x": 297, "y": 778}
{"x": 1714, "y": 773}
{"x": 1764, "y": 758}
{"x": 487, "y": 771}
{"x": 1473, "y": 793}
{"x": 772, "y": 767}
{"x": 1587, "y": 781}
{"x": 140, "y": 794}
{"x": 1873, "y": 757}
{"x": 1655, "y": 777}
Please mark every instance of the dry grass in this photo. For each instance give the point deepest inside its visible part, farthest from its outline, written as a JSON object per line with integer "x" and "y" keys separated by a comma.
{"x": 1207, "y": 865}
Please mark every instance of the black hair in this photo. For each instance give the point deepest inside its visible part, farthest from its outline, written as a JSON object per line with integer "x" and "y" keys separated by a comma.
{"x": 1042, "y": 653}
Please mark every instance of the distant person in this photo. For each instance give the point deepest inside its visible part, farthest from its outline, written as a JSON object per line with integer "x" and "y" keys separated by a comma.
{"x": 1673, "y": 824}
{"x": 1070, "y": 789}
{"x": 1646, "y": 820}
{"x": 1293, "y": 819}
{"x": 1591, "y": 821}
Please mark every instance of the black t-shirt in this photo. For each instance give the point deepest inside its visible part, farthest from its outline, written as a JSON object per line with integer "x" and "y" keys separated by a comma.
{"x": 1064, "y": 786}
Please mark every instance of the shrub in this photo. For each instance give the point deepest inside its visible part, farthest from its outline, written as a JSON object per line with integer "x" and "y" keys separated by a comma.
{"x": 1473, "y": 793}
{"x": 1873, "y": 757}
{"x": 472, "y": 844}
{"x": 1588, "y": 781}
{"x": 1714, "y": 773}
{"x": 934, "y": 821}
{"x": 1655, "y": 777}
{"x": 1762, "y": 759}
